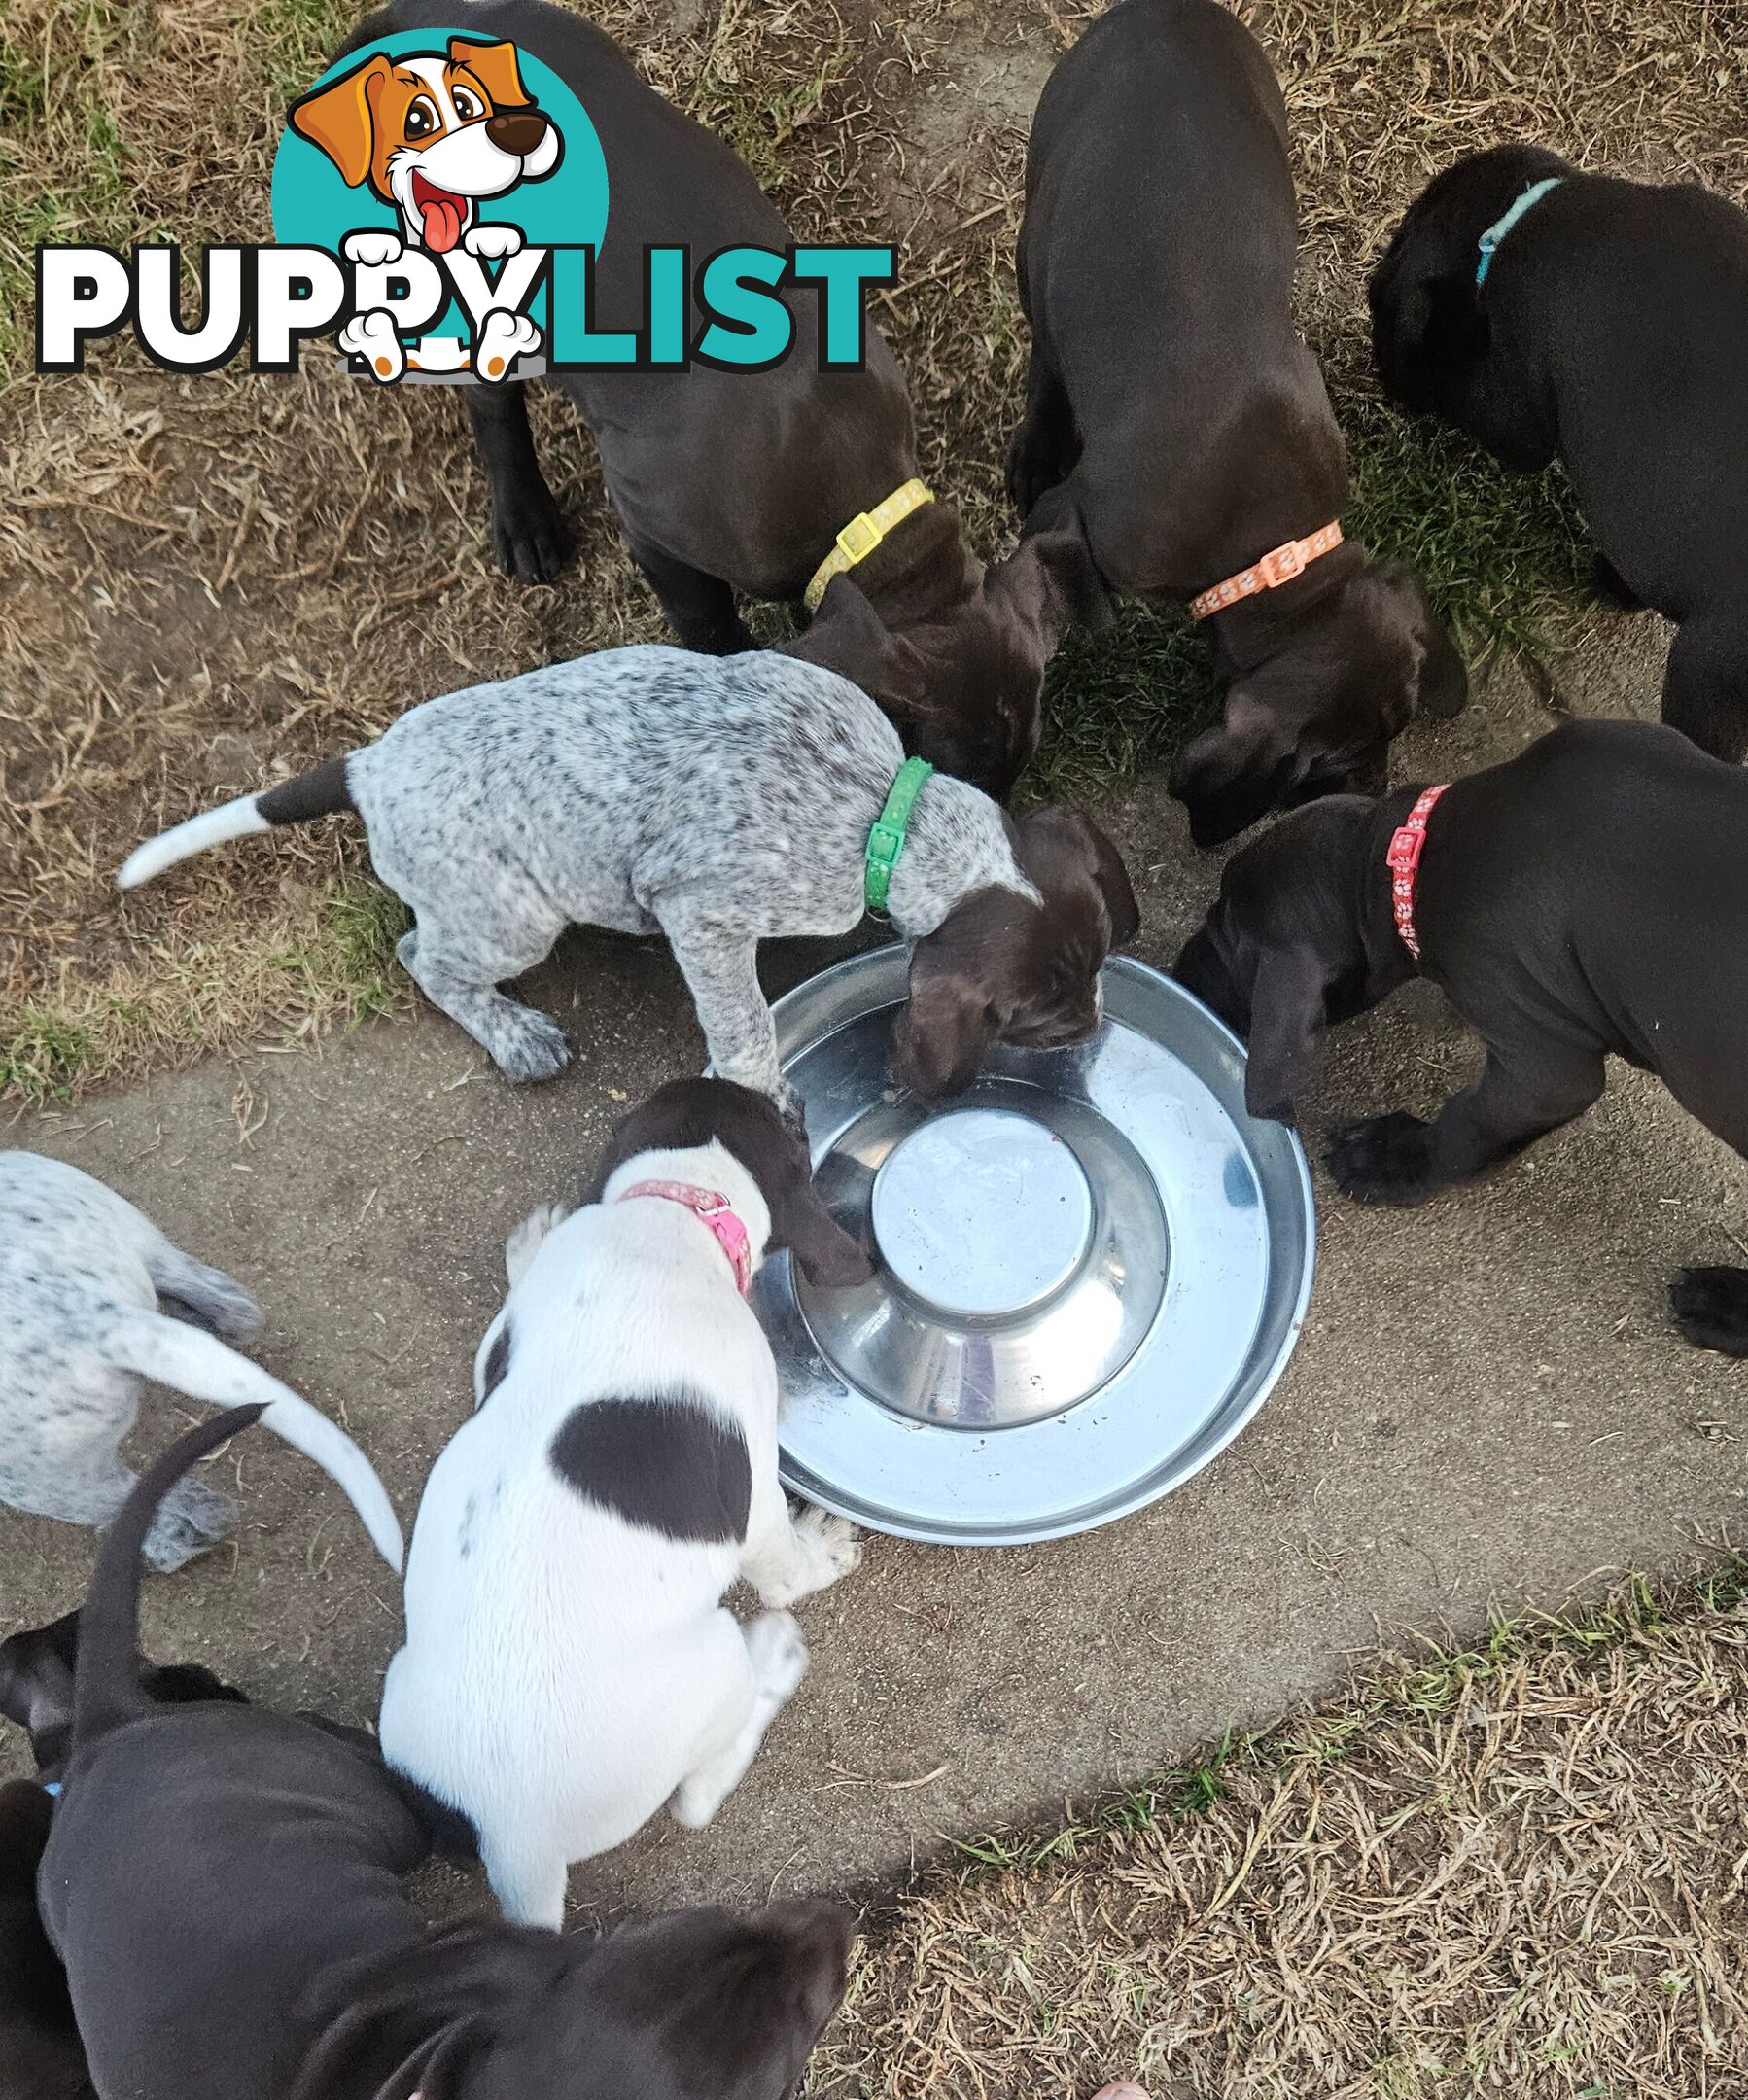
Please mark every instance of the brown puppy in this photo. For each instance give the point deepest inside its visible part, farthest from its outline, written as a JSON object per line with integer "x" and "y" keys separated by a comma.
{"x": 1175, "y": 417}
{"x": 741, "y": 481}
{"x": 223, "y": 1884}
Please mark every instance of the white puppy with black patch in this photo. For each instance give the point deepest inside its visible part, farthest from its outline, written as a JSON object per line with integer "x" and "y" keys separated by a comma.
{"x": 568, "y": 1664}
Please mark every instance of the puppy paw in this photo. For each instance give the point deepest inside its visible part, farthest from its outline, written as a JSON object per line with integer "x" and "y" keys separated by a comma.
{"x": 372, "y": 337}
{"x": 193, "y": 1522}
{"x": 778, "y": 1651}
{"x": 1711, "y": 1309}
{"x": 830, "y": 1547}
{"x": 529, "y": 535}
{"x": 372, "y": 246}
{"x": 524, "y": 1243}
{"x": 1385, "y": 1160}
{"x": 492, "y": 242}
{"x": 504, "y": 338}
{"x": 526, "y": 1047}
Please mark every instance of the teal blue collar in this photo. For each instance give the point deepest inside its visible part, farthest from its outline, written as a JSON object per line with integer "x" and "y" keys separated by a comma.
{"x": 1500, "y": 227}
{"x": 885, "y": 839}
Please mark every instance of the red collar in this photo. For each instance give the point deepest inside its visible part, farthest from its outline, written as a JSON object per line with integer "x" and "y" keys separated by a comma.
{"x": 714, "y": 1212}
{"x": 1406, "y": 844}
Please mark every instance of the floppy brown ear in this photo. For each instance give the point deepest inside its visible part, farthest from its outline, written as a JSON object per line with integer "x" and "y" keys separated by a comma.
{"x": 1052, "y": 575}
{"x": 827, "y": 1256}
{"x": 1442, "y": 685}
{"x": 340, "y": 119}
{"x": 1233, "y": 774}
{"x": 846, "y": 635}
{"x": 494, "y": 67}
{"x": 1048, "y": 837}
{"x": 941, "y": 1036}
{"x": 1286, "y": 1031}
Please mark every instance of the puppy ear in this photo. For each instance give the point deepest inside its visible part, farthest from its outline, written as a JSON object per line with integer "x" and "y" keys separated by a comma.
{"x": 827, "y": 1256}
{"x": 941, "y": 1036}
{"x": 494, "y": 67}
{"x": 1442, "y": 685}
{"x": 1233, "y": 774}
{"x": 1051, "y": 576}
{"x": 846, "y": 635}
{"x": 1052, "y": 836}
{"x": 1286, "y": 1031}
{"x": 340, "y": 119}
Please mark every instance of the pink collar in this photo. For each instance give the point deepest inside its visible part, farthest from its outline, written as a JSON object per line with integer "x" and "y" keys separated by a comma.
{"x": 714, "y": 1210}
{"x": 1406, "y": 844}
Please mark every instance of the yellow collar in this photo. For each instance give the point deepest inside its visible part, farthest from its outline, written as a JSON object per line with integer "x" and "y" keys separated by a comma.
{"x": 862, "y": 535}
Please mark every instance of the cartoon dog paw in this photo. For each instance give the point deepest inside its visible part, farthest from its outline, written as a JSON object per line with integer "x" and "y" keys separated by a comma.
{"x": 372, "y": 337}
{"x": 504, "y": 337}
{"x": 372, "y": 247}
{"x": 492, "y": 242}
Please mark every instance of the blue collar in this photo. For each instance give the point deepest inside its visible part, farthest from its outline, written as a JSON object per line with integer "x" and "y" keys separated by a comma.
{"x": 1500, "y": 227}
{"x": 51, "y": 1787}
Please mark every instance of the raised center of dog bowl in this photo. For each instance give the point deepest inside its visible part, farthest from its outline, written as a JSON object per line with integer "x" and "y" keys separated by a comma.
{"x": 982, "y": 1212}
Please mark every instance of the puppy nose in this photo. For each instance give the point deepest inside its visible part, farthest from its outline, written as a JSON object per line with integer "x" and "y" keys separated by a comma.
{"x": 517, "y": 131}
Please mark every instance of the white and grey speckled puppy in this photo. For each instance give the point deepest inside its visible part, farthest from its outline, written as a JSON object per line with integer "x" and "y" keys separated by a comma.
{"x": 721, "y": 801}
{"x": 93, "y": 1299}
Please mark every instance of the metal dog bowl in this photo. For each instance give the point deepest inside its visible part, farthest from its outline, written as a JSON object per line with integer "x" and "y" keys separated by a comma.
{"x": 1090, "y": 1269}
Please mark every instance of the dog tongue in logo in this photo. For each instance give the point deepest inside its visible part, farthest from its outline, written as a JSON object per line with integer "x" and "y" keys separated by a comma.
{"x": 441, "y": 214}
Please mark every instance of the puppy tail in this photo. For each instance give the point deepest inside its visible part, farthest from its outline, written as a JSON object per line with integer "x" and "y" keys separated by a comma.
{"x": 200, "y": 1365}
{"x": 322, "y": 791}
{"x": 106, "y": 1682}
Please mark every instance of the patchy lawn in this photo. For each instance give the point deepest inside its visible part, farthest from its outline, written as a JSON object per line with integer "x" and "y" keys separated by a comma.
{"x": 1522, "y": 1869}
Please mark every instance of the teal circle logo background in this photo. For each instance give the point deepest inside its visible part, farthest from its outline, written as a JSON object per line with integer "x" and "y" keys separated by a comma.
{"x": 313, "y": 206}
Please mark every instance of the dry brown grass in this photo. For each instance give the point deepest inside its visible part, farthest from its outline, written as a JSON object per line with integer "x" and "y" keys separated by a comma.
{"x": 1522, "y": 1870}
{"x": 205, "y": 584}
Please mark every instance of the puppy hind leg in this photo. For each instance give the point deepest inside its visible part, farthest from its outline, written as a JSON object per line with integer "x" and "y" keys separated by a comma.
{"x": 529, "y": 535}
{"x": 1710, "y": 1306}
{"x": 1705, "y": 685}
{"x": 527, "y": 1878}
{"x": 524, "y": 1045}
{"x": 204, "y": 1297}
{"x": 777, "y": 1656}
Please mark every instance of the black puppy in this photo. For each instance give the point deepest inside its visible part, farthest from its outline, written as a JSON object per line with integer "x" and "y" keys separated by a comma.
{"x": 1556, "y": 315}
{"x": 1585, "y": 900}
{"x": 741, "y": 481}
{"x": 41, "y": 2055}
{"x": 223, "y": 1885}
{"x": 1174, "y": 415}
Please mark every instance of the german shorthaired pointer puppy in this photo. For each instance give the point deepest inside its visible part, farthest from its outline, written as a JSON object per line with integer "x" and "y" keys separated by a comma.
{"x": 1552, "y": 314}
{"x": 742, "y": 482}
{"x": 93, "y": 1299}
{"x": 1583, "y": 900}
{"x": 1175, "y": 416}
{"x": 722, "y": 802}
{"x": 223, "y": 1884}
{"x": 568, "y": 1664}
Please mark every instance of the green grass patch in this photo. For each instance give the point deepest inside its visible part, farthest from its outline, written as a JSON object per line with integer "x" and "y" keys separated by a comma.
{"x": 297, "y": 38}
{"x": 335, "y": 968}
{"x": 1504, "y": 556}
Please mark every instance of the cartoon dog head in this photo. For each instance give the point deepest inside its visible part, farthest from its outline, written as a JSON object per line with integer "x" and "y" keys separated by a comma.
{"x": 433, "y": 132}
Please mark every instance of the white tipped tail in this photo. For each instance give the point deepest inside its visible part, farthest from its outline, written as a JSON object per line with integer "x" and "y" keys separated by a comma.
{"x": 200, "y": 1365}
{"x": 231, "y": 820}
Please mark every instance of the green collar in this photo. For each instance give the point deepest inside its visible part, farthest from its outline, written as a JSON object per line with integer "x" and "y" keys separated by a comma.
{"x": 886, "y": 840}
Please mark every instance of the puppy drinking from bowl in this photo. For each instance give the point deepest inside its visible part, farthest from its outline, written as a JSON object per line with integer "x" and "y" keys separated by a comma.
{"x": 1583, "y": 900}
{"x": 1176, "y": 416}
{"x": 569, "y": 1666}
{"x": 720, "y": 802}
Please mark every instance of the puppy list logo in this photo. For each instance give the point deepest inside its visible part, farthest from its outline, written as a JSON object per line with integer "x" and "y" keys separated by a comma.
{"x": 439, "y": 201}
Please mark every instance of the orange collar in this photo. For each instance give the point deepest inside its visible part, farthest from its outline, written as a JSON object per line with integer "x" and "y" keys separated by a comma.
{"x": 1280, "y": 565}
